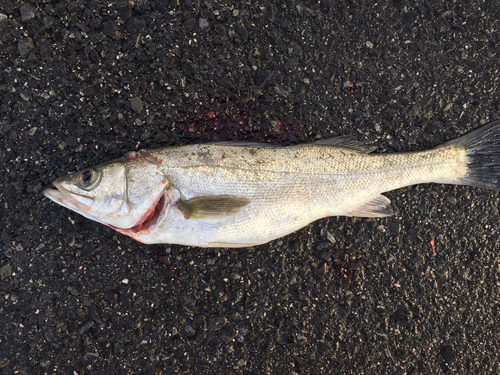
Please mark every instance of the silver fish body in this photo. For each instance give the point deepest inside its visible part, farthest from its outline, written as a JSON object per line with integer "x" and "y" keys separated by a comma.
{"x": 234, "y": 195}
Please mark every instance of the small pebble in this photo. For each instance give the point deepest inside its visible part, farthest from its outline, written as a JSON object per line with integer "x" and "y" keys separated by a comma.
{"x": 6, "y": 271}
{"x": 203, "y": 23}
{"x": 136, "y": 104}
{"x": 4, "y": 22}
{"x": 27, "y": 12}
{"x": 216, "y": 323}
{"x": 25, "y": 46}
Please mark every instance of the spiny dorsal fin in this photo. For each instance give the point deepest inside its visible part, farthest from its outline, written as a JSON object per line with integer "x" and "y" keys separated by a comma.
{"x": 215, "y": 207}
{"x": 376, "y": 207}
{"x": 347, "y": 142}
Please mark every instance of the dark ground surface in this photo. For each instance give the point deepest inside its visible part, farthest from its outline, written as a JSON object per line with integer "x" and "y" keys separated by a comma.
{"x": 343, "y": 295}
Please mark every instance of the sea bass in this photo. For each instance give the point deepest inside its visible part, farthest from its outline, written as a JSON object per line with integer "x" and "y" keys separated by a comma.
{"x": 237, "y": 194}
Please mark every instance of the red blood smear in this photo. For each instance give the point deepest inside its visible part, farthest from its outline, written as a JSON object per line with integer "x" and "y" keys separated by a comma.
{"x": 251, "y": 121}
{"x": 147, "y": 216}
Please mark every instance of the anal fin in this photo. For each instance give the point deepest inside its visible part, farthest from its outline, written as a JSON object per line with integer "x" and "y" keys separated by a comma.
{"x": 213, "y": 207}
{"x": 376, "y": 207}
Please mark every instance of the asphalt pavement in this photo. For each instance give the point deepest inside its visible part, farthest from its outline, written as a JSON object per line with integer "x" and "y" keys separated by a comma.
{"x": 84, "y": 82}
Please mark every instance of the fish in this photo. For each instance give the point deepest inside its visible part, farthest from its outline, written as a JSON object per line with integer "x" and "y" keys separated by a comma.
{"x": 244, "y": 194}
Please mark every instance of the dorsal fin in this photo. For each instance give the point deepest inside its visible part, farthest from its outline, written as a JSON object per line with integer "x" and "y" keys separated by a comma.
{"x": 242, "y": 144}
{"x": 346, "y": 142}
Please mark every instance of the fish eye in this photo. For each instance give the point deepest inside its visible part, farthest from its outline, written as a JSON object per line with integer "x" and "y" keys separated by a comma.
{"x": 88, "y": 179}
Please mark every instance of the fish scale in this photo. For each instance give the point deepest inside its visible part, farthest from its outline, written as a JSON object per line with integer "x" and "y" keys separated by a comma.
{"x": 298, "y": 185}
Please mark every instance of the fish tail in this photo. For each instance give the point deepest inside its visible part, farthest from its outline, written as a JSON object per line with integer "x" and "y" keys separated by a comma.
{"x": 482, "y": 147}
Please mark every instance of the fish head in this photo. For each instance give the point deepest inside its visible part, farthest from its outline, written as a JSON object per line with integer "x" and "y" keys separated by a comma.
{"x": 124, "y": 193}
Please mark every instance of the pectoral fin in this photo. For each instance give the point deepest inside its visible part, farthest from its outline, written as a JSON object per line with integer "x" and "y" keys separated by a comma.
{"x": 376, "y": 207}
{"x": 215, "y": 207}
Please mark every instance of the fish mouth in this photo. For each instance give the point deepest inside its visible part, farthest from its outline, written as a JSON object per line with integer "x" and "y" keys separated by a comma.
{"x": 75, "y": 202}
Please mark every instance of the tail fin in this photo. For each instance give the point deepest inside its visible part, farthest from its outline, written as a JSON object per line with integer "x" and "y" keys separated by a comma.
{"x": 483, "y": 156}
